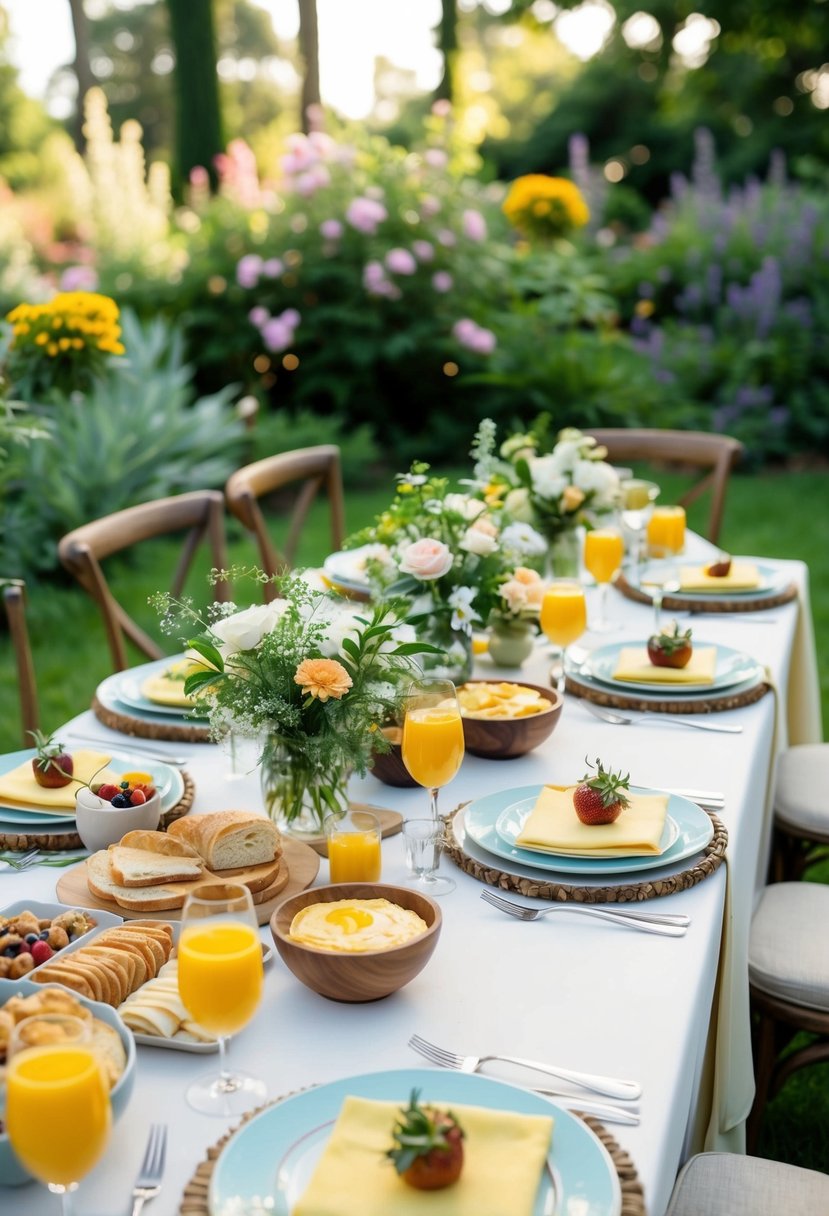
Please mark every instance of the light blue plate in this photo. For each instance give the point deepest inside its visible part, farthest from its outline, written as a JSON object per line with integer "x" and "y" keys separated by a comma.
{"x": 346, "y": 569}
{"x": 116, "y": 694}
{"x": 268, "y": 1163}
{"x": 772, "y": 581}
{"x": 510, "y": 808}
{"x": 733, "y": 667}
{"x": 168, "y": 781}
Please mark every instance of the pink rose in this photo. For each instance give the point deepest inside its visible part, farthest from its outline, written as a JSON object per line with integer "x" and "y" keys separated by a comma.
{"x": 426, "y": 559}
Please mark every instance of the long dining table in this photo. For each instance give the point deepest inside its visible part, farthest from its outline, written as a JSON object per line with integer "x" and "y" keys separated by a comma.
{"x": 670, "y": 1013}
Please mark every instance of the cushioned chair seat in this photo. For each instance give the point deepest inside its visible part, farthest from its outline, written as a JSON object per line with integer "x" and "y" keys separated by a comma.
{"x": 801, "y": 796}
{"x": 725, "y": 1184}
{"x": 788, "y": 953}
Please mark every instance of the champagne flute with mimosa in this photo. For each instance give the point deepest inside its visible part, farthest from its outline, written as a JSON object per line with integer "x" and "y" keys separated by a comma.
{"x": 58, "y": 1112}
{"x": 432, "y": 747}
{"x": 220, "y": 985}
{"x": 666, "y": 539}
{"x": 603, "y": 553}
{"x": 563, "y": 619}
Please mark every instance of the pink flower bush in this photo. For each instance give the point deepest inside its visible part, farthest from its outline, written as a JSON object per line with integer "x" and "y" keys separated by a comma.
{"x": 447, "y": 238}
{"x": 474, "y": 225}
{"x": 277, "y": 332}
{"x": 79, "y": 278}
{"x": 332, "y": 230}
{"x": 248, "y": 270}
{"x": 400, "y": 261}
{"x": 474, "y": 337}
{"x": 366, "y": 215}
{"x": 442, "y": 282}
{"x": 424, "y": 251}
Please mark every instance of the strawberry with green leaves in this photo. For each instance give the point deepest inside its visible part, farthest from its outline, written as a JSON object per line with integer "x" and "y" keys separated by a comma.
{"x": 668, "y": 649}
{"x": 428, "y": 1146}
{"x": 601, "y": 797}
{"x": 52, "y": 766}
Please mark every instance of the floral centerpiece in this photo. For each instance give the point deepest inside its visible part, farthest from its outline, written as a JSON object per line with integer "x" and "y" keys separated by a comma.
{"x": 448, "y": 553}
{"x": 313, "y": 675}
{"x": 555, "y": 487}
{"x": 514, "y": 620}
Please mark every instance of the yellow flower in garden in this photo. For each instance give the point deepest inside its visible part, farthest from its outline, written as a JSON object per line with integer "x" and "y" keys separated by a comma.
{"x": 538, "y": 205}
{"x": 323, "y": 678}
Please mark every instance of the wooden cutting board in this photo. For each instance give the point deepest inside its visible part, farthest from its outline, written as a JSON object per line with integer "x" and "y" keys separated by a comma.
{"x": 300, "y": 865}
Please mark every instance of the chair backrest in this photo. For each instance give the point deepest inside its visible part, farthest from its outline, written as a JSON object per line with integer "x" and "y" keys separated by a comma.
{"x": 14, "y": 601}
{"x": 713, "y": 455}
{"x": 200, "y": 512}
{"x": 317, "y": 468}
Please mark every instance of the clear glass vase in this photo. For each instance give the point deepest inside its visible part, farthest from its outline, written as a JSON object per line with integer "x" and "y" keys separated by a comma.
{"x": 455, "y": 663}
{"x": 298, "y": 798}
{"x": 511, "y": 642}
{"x": 564, "y": 555}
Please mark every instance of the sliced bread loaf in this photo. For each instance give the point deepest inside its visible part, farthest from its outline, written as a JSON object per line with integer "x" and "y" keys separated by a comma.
{"x": 142, "y": 868}
{"x": 157, "y": 898}
{"x": 230, "y": 839}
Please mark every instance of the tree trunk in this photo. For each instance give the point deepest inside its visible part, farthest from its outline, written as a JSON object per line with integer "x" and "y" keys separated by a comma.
{"x": 447, "y": 39}
{"x": 198, "y": 113}
{"x": 310, "y": 53}
{"x": 82, "y": 68}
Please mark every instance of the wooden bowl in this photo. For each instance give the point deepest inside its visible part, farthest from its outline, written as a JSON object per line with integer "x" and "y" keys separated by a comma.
{"x": 506, "y": 738}
{"x": 388, "y": 767}
{"x": 356, "y": 977}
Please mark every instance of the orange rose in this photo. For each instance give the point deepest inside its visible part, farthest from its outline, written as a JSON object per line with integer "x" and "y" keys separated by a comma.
{"x": 572, "y": 498}
{"x": 323, "y": 678}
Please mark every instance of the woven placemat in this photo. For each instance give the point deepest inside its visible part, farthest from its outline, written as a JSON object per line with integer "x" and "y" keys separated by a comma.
{"x": 51, "y": 842}
{"x": 669, "y": 705}
{"x": 194, "y": 1201}
{"x": 737, "y": 603}
{"x": 142, "y": 728}
{"x": 710, "y": 859}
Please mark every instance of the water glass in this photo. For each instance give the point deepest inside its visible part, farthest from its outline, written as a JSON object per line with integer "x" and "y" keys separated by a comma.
{"x": 423, "y": 842}
{"x": 353, "y": 846}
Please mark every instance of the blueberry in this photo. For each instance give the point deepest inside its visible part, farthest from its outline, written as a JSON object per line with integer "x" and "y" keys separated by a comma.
{"x": 120, "y": 800}
{"x": 31, "y": 937}
{"x": 44, "y": 933}
{"x": 10, "y": 952}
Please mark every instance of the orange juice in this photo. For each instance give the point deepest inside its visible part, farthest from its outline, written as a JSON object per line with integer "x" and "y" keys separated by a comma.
{"x": 354, "y": 856}
{"x": 564, "y": 613}
{"x": 666, "y": 531}
{"x": 603, "y": 553}
{"x": 220, "y": 974}
{"x": 57, "y": 1111}
{"x": 432, "y": 745}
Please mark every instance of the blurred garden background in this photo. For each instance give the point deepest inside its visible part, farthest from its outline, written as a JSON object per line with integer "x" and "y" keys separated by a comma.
{"x": 297, "y": 207}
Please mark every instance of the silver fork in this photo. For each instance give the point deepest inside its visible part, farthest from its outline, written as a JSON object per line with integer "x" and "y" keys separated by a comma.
{"x": 148, "y": 1182}
{"x": 23, "y": 862}
{"x": 609, "y": 715}
{"x": 608, "y": 1087}
{"x": 663, "y": 924}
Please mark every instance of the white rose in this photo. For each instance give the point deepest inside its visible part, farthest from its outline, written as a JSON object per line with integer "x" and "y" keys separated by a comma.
{"x": 426, "y": 559}
{"x": 341, "y": 624}
{"x": 598, "y": 478}
{"x": 478, "y": 542}
{"x": 547, "y": 477}
{"x": 245, "y": 630}
{"x": 517, "y": 506}
{"x": 520, "y": 540}
{"x": 462, "y": 504}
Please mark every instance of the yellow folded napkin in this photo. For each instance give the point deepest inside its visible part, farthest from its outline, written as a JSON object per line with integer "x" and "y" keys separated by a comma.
{"x": 554, "y": 827}
{"x": 19, "y": 788}
{"x": 167, "y": 688}
{"x": 504, "y": 1157}
{"x": 634, "y": 666}
{"x": 743, "y": 576}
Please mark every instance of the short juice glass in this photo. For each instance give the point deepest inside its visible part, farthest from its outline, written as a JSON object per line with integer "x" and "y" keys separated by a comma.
{"x": 666, "y": 531}
{"x": 353, "y": 846}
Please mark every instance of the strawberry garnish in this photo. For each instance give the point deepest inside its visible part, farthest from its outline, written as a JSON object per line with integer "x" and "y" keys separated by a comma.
{"x": 428, "y": 1149}
{"x": 719, "y": 568}
{"x": 601, "y": 797}
{"x": 667, "y": 649}
{"x": 52, "y": 766}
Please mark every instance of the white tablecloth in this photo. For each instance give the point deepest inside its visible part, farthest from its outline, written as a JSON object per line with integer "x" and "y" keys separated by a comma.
{"x": 581, "y": 993}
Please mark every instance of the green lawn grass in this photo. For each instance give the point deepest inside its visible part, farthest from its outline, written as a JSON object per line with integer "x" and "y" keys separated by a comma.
{"x": 770, "y": 514}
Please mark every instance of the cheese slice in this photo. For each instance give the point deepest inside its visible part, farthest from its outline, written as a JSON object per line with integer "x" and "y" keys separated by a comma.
{"x": 743, "y": 576}
{"x": 167, "y": 688}
{"x": 634, "y": 667}
{"x": 553, "y": 826}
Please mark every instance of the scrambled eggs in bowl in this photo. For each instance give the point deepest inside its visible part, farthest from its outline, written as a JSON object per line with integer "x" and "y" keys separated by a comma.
{"x": 355, "y": 926}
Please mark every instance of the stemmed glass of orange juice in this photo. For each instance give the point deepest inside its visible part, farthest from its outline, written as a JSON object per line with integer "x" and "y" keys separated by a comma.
{"x": 433, "y": 747}
{"x": 58, "y": 1113}
{"x": 666, "y": 539}
{"x": 563, "y": 617}
{"x": 603, "y": 553}
{"x": 220, "y": 985}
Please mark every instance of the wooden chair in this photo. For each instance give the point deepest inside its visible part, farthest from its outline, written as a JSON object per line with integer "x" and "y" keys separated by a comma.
{"x": 14, "y": 601}
{"x": 788, "y": 968}
{"x": 200, "y": 512}
{"x": 713, "y": 456}
{"x": 318, "y": 468}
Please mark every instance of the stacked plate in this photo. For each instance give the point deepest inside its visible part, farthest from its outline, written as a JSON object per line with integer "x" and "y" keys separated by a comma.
{"x": 23, "y": 820}
{"x": 770, "y": 583}
{"x": 122, "y": 693}
{"x": 735, "y": 672}
{"x": 491, "y": 826}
